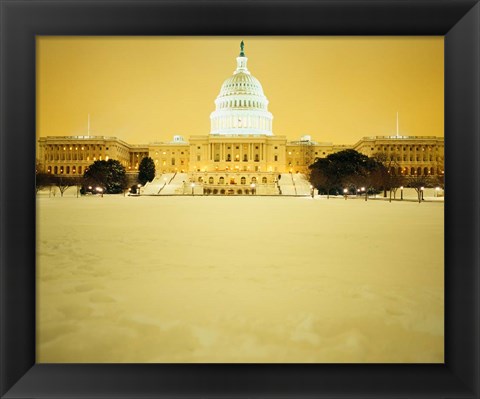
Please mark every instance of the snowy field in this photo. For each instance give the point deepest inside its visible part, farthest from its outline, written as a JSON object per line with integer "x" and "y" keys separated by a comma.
{"x": 239, "y": 279}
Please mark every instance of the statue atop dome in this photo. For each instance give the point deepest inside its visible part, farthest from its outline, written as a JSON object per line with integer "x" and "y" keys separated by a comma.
{"x": 242, "y": 53}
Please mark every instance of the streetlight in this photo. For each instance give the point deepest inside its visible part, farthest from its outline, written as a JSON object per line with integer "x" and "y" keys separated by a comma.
{"x": 138, "y": 188}
{"x": 193, "y": 188}
{"x": 401, "y": 193}
{"x": 345, "y": 191}
{"x": 253, "y": 188}
{"x": 363, "y": 189}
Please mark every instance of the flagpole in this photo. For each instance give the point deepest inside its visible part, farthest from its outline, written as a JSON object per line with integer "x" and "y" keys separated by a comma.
{"x": 397, "y": 123}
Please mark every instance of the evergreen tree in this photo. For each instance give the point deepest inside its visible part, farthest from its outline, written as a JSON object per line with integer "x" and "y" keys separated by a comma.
{"x": 345, "y": 169}
{"x": 109, "y": 175}
{"x": 146, "y": 170}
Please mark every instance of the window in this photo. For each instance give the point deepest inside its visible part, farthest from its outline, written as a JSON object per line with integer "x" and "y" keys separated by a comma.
{"x": 173, "y": 161}
{"x": 275, "y": 158}
{"x": 264, "y": 180}
{"x": 210, "y": 180}
{"x": 243, "y": 180}
{"x": 198, "y": 157}
{"x": 221, "y": 180}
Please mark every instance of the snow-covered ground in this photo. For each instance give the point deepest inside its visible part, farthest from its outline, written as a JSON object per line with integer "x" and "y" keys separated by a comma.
{"x": 239, "y": 279}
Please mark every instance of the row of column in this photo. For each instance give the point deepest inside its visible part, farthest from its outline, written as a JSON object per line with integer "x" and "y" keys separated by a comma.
{"x": 250, "y": 121}
{"x": 251, "y": 152}
{"x": 433, "y": 151}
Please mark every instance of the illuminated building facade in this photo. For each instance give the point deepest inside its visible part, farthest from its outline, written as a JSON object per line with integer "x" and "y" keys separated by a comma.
{"x": 241, "y": 152}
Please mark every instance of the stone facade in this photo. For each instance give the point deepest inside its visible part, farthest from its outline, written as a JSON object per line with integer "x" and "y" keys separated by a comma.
{"x": 240, "y": 148}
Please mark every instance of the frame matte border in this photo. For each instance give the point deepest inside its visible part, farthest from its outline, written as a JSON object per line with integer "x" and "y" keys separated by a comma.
{"x": 21, "y": 21}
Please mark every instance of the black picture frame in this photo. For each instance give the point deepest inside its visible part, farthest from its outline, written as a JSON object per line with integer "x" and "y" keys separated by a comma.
{"x": 21, "y": 21}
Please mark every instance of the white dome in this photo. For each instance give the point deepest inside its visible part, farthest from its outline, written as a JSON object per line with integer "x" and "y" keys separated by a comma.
{"x": 241, "y": 83}
{"x": 241, "y": 106}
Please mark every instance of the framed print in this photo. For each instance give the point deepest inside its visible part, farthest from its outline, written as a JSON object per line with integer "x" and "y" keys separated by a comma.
{"x": 261, "y": 275}
{"x": 44, "y": 352}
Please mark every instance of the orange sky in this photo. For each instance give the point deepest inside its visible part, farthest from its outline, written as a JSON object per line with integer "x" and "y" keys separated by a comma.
{"x": 144, "y": 89}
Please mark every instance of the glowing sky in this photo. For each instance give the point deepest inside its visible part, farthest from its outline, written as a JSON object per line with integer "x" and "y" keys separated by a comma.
{"x": 336, "y": 89}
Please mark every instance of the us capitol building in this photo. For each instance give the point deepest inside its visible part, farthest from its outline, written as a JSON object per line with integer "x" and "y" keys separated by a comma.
{"x": 241, "y": 154}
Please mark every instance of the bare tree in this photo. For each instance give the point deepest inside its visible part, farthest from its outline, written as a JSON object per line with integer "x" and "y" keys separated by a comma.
{"x": 77, "y": 181}
{"x": 42, "y": 180}
{"x": 396, "y": 181}
{"x": 419, "y": 182}
{"x": 391, "y": 180}
{"x": 63, "y": 183}
{"x": 440, "y": 177}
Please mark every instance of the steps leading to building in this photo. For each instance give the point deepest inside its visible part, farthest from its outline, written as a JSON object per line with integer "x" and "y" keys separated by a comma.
{"x": 294, "y": 184}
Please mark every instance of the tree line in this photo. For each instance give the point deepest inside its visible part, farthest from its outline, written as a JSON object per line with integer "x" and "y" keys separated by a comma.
{"x": 356, "y": 173}
{"x": 107, "y": 177}
{"x": 342, "y": 170}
